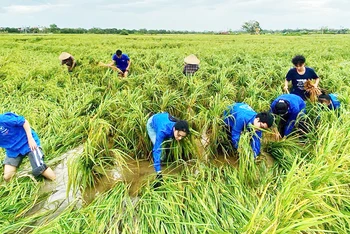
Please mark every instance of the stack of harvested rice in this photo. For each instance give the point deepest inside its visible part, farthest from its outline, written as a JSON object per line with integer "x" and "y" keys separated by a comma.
{"x": 312, "y": 90}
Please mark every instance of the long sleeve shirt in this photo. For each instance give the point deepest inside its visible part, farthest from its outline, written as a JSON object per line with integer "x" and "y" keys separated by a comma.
{"x": 239, "y": 117}
{"x": 164, "y": 128}
{"x": 295, "y": 104}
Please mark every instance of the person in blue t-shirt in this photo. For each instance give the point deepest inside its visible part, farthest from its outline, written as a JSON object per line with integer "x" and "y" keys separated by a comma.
{"x": 288, "y": 107}
{"x": 19, "y": 140}
{"x": 239, "y": 117}
{"x": 330, "y": 100}
{"x": 161, "y": 127}
{"x": 298, "y": 76}
{"x": 122, "y": 62}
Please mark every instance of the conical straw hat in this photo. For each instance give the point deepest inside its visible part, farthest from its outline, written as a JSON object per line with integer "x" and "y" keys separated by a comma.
{"x": 64, "y": 56}
{"x": 191, "y": 59}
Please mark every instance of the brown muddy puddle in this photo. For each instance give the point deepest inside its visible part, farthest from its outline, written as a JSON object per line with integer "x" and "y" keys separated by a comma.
{"x": 137, "y": 173}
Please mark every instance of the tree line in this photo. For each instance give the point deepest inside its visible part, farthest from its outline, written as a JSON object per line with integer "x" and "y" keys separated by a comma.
{"x": 251, "y": 27}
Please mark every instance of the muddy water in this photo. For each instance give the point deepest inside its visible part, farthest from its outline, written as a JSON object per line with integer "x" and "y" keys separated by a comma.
{"x": 136, "y": 174}
{"x": 59, "y": 198}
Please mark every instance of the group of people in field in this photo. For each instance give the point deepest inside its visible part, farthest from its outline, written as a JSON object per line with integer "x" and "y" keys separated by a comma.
{"x": 19, "y": 140}
{"x": 240, "y": 116}
{"x": 121, "y": 63}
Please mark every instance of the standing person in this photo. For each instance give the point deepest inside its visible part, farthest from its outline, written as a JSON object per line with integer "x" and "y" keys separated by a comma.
{"x": 330, "y": 100}
{"x": 298, "y": 75}
{"x": 191, "y": 65}
{"x": 19, "y": 140}
{"x": 161, "y": 127}
{"x": 240, "y": 117}
{"x": 288, "y": 107}
{"x": 122, "y": 62}
{"x": 67, "y": 59}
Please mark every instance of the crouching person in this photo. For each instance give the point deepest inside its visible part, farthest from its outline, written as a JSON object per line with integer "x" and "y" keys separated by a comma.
{"x": 68, "y": 60}
{"x": 288, "y": 107}
{"x": 19, "y": 140}
{"x": 162, "y": 127}
{"x": 330, "y": 100}
{"x": 240, "y": 117}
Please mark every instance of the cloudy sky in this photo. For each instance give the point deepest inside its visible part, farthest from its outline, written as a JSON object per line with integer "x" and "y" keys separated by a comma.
{"x": 197, "y": 15}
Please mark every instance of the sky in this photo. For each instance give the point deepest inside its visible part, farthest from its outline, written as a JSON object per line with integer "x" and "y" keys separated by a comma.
{"x": 191, "y": 15}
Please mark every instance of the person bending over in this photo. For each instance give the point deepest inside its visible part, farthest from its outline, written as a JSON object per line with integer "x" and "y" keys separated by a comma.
{"x": 240, "y": 117}
{"x": 19, "y": 141}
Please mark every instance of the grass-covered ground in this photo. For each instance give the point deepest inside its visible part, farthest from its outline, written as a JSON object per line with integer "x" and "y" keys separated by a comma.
{"x": 306, "y": 191}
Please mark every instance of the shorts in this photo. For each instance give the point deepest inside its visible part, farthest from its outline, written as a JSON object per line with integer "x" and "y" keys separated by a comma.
{"x": 36, "y": 159}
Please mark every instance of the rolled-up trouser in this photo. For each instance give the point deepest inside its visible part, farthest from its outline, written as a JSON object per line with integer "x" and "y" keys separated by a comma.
{"x": 36, "y": 159}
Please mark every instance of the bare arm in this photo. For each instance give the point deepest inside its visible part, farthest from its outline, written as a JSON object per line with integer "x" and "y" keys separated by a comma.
{"x": 129, "y": 62}
{"x": 71, "y": 67}
{"x": 286, "y": 86}
{"x": 317, "y": 80}
{"x": 31, "y": 142}
{"x": 113, "y": 66}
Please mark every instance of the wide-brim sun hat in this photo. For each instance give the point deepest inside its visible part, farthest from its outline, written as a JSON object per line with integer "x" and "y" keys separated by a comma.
{"x": 191, "y": 59}
{"x": 64, "y": 56}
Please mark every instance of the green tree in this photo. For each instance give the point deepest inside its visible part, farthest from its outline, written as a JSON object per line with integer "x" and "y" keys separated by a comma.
{"x": 252, "y": 27}
{"x": 53, "y": 28}
{"x": 124, "y": 32}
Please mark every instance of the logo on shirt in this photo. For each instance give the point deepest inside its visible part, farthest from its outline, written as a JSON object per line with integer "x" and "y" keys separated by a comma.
{"x": 3, "y": 130}
{"x": 300, "y": 83}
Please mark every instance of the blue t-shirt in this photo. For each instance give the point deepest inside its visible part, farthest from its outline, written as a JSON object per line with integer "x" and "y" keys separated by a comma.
{"x": 296, "y": 105}
{"x": 13, "y": 136}
{"x": 122, "y": 62}
{"x": 335, "y": 103}
{"x": 239, "y": 117}
{"x": 164, "y": 128}
{"x": 298, "y": 80}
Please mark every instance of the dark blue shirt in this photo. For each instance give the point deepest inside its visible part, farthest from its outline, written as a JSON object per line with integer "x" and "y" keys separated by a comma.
{"x": 239, "y": 117}
{"x": 13, "y": 136}
{"x": 122, "y": 62}
{"x": 298, "y": 80}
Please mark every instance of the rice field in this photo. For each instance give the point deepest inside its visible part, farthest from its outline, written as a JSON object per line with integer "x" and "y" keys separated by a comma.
{"x": 306, "y": 189}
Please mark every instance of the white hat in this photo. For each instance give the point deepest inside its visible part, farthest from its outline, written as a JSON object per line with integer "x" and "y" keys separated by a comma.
{"x": 191, "y": 59}
{"x": 64, "y": 56}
